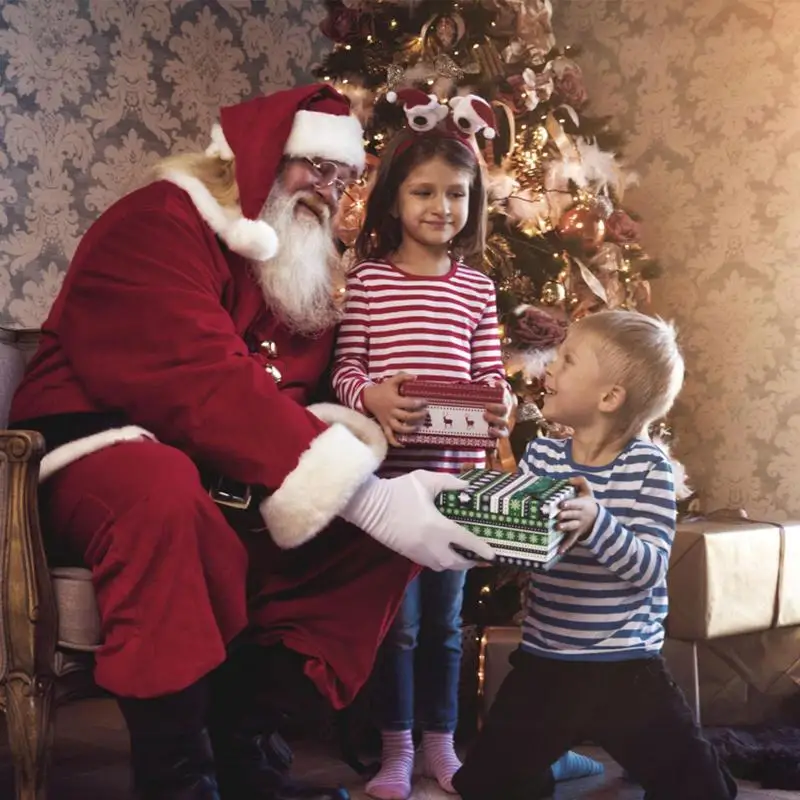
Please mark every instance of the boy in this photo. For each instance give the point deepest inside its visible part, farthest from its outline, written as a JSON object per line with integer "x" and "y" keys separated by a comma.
{"x": 590, "y": 666}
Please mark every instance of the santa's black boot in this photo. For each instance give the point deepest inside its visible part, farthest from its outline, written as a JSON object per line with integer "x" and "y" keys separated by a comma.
{"x": 171, "y": 756}
{"x": 252, "y": 694}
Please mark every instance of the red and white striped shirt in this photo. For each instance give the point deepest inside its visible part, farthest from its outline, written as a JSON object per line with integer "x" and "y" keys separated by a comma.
{"x": 436, "y": 327}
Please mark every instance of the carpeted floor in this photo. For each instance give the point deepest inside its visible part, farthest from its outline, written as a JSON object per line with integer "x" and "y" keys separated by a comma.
{"x": 90, "y": 763}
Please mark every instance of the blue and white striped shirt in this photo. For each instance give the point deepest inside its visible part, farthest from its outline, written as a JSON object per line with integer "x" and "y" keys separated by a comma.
{"x": 606, "y": 600}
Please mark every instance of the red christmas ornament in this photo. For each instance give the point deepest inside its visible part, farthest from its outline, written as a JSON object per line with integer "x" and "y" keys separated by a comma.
{"x": 584, "y": 225}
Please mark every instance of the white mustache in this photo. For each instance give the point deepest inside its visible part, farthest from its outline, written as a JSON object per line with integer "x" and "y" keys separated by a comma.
{"x": 316, "y": 204}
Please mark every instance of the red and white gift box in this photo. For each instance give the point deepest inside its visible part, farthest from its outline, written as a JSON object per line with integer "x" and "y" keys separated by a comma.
{"x": 455, "y": 413}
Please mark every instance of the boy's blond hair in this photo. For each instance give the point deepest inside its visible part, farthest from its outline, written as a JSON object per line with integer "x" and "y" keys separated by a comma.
{"x": 642, "y": 355}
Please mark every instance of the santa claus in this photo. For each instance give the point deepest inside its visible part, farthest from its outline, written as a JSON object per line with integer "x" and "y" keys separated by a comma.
{"x": 175, "y": 379}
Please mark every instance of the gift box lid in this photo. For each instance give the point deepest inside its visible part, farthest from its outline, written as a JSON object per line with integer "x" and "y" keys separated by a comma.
{"x": 518, "y": 495}
{"x": 453, "y": 392}
{"x": 732, "y": 576}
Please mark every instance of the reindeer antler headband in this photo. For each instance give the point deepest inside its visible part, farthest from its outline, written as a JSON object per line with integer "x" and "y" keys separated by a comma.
{"x": 464, "y": 117}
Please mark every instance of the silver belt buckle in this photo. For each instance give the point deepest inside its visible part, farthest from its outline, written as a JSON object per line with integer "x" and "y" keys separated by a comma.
{"x": 227, "y": 493}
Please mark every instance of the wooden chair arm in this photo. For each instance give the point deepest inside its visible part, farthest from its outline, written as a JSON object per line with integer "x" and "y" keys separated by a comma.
{"x": 28, "y": 615}
{"x": 30, "y": 622}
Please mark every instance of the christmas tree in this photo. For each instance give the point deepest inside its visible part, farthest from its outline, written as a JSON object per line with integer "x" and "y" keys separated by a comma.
{"x": 561, "y": 244}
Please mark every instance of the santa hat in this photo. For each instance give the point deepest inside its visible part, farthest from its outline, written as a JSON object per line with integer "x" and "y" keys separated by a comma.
{"x": 305, "y": 122}
{"x": 472, "y": 114}
{"x": 423, "y": 111}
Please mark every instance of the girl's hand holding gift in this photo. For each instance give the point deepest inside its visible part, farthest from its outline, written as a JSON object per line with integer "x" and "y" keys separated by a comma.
{"x": 394, "y": 413}
{"x": 499, "y": 415}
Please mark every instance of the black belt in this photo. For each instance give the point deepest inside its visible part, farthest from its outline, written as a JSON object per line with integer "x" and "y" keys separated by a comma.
{"x": 61, "y": 429}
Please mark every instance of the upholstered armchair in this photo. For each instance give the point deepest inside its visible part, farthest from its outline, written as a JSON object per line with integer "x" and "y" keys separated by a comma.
{"x": 49, "y": 625}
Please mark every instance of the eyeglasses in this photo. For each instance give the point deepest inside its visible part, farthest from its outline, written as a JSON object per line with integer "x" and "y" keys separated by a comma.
{"x": 329, "y": 173}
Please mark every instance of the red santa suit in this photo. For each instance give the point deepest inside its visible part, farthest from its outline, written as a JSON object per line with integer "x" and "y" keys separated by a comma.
{"x": 161, "y": 331}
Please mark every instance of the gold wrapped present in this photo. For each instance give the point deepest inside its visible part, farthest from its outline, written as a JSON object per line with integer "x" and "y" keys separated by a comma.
{"x": 743, "y": 680}
{"x": 731, "y": 576}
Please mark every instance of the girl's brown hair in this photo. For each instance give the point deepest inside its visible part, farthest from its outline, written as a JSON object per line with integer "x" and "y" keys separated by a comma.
{"x": 381, "y": 232}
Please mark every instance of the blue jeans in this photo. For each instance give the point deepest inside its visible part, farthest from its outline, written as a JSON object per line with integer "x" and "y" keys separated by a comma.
{"x": 427, "y": 629}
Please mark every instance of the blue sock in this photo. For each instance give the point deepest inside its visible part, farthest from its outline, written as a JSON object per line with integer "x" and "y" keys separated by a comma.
{"x": 573, "y": 765}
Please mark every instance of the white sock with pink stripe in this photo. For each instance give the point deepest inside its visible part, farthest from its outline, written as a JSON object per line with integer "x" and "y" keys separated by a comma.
{"x": 393, "y": 781}
{"x": 440, "y": 759}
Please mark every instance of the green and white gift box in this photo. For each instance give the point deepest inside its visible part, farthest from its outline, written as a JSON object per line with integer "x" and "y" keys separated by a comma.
{"x": 514, "y": 511}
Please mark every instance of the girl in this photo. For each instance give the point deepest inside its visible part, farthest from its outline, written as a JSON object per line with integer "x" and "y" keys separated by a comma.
{"x": 414, "y": 310}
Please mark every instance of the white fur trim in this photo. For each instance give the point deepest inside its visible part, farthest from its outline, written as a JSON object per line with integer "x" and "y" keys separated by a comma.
{"x": 367, "y": 430}
{"x": 531, "y": 363}
{"x": 318, "y": 135}
{"x": 219, "y": 144}
{"x": 251, "y": 238}
{"x": 65, "y": 455}
{"x": 329, "y": 472}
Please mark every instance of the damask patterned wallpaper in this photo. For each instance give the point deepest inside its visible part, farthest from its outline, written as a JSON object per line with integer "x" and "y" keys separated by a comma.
{"x": 93, "y": 92}
{"x": 707, "y": 90}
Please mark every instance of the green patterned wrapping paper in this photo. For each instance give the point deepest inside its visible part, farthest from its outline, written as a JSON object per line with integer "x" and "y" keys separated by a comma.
{"x": 515, "y": 512}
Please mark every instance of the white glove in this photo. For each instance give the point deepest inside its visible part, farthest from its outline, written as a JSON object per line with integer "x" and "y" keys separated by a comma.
{"x": 400, "y": 513}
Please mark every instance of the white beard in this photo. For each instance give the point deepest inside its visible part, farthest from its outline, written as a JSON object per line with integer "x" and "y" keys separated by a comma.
{"x": 298, "y": 281}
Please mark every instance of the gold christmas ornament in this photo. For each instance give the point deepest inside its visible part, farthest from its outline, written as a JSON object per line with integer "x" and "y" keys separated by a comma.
{"x": 539, "y": 137}
{"x": 553, "y": 293}
{"x": 527, "y": 158}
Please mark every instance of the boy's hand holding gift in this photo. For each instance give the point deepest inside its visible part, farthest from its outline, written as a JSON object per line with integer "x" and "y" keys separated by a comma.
{"x": 577, "y": 516}
{"x": 394, "y": 412}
